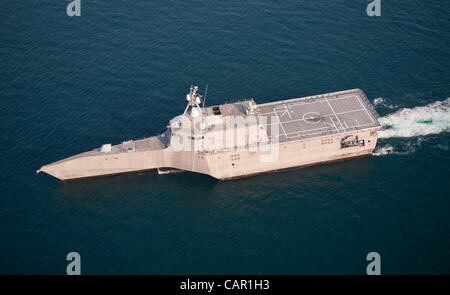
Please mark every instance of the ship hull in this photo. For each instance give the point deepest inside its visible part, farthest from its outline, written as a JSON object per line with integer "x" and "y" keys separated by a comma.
{"x": 290, "y": 133}
{"x": 339, "y": 159}
{"x": 222, "y": 166}
{"x": 291, "y": 155}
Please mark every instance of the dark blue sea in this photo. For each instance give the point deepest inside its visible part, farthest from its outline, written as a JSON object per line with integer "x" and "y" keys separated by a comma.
{"x": 121, "y": 71}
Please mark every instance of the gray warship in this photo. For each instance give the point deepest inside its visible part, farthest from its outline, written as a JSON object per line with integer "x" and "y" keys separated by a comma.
{"x": 240, "y": 139}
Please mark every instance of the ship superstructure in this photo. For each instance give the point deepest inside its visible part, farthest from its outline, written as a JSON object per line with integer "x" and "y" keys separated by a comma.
{"x": 240, "y": 138}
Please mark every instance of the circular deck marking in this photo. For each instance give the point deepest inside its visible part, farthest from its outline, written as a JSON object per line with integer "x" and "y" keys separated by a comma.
{"x": 312, "y": 117}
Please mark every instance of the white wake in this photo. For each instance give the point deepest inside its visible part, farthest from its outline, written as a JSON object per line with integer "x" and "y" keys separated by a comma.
{"x": 384, "y": 150}
{"x": 433, "y": 118}
{"x": 383, "y": 102}
{"x": 404, "y": 149}
{"x": 413, "y": 123}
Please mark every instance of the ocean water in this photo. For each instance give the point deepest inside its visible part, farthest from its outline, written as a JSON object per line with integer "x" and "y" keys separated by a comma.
{"x": 121, "y": 71}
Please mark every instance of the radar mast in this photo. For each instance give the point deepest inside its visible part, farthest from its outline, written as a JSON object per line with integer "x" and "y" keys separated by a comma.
{"x": 194, "y": 100}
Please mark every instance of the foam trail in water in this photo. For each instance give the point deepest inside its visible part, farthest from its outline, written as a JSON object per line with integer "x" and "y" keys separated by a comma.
{"x": 382, "y": 101}
{"x": 433, "y": 118}
{"x": 385, "y": 150}
{"x": 388, "y": 149}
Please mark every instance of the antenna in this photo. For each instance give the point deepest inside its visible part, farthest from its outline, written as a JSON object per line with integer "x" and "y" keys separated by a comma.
{"x": 194, "y": 100}
{"x": 206, "y": 92}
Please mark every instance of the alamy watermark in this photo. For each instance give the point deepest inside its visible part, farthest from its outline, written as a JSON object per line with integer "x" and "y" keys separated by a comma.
{"x": 374, "y": 8}
{"x": 230, "y": 133}
{"x": 374, "y": 267}
{"x": 74, "y": 8}
{"x": 74, "y": 267}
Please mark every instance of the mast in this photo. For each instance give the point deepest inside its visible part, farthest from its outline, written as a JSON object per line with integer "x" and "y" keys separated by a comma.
{"x": 206, "y": 92}
{"x": 194, "y": 100}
